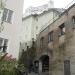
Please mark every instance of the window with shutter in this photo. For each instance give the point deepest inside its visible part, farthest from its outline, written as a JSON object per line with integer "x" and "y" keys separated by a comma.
{"x": 50, "y": 36}
{"x": 7, "y": 15}
{"x": 4, "y": 18}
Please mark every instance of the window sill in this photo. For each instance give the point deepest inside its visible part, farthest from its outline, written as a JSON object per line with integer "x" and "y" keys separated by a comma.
{"x": 61, "y": 35}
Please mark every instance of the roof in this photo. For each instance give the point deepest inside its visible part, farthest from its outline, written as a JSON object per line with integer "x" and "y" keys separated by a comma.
{"x": 65, "y": 11}
{"x": 39, "y": 9}
{"x": 59, "y": 10}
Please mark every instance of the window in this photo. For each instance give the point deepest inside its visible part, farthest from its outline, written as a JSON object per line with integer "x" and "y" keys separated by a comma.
{"x": 73, "y": 21}
{"x": 62, "y": 29}
{"x": 7, "y": 15}
{"x": 42, "y": 42}
{"x": 1, "y": 44}
{"x": 67, "y": 67}
{"x": 50, "y": 36}
{"x": 5, "y": 45}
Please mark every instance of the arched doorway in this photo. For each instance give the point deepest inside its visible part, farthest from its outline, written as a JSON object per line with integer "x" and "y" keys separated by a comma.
{"x": 44, "y": 63}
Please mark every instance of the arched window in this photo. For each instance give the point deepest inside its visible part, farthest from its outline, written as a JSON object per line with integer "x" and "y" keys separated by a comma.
{"x": 73, "y": 21}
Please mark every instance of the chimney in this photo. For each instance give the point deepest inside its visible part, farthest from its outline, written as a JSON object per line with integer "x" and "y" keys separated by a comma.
{"x": 51, "y": 4}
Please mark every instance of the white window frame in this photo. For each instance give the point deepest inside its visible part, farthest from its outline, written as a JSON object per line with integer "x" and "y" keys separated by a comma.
{"x": 7, "y": 15}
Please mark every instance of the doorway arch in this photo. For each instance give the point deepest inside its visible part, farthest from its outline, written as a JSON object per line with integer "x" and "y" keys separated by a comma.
{"x": 44, "y": 59}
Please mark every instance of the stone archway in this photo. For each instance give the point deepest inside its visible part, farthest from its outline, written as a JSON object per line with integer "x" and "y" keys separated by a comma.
{"x": 44, "y": 63}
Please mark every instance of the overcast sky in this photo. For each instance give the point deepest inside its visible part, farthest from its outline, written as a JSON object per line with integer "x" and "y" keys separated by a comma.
{"x": 57, "y": 3}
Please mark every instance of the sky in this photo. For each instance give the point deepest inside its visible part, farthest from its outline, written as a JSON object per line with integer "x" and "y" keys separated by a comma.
{"x": 35, "y": 3}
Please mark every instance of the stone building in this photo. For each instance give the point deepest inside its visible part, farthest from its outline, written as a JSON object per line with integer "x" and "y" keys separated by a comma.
{"x": 35, "y": 20}
{"x": 56, "y": 46}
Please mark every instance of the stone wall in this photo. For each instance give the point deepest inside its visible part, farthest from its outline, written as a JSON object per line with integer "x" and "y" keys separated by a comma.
{"x": 62, "y": 47}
